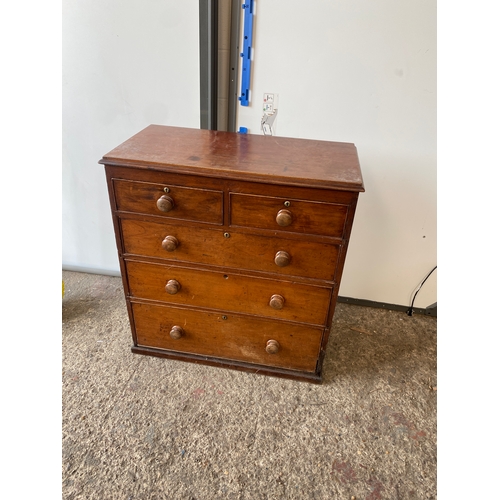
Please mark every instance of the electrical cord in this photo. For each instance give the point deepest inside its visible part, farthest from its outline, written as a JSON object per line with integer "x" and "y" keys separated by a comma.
{"x": 410, "y": 310}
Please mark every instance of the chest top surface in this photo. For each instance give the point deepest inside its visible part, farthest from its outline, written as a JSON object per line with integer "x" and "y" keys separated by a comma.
{"x": 300, "y": 162}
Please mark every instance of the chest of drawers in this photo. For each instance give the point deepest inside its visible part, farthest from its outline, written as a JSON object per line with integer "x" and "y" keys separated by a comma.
{"x": 231, "y": 246}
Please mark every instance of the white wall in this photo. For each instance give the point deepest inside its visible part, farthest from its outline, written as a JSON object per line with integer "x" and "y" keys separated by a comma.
{"x": 356, "y": 71}
{"x": 126, "y": 65}
{"x": 363, "y": 72}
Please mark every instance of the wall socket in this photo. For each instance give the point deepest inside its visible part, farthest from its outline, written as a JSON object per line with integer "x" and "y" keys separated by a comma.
{"x": 270, "y": 113}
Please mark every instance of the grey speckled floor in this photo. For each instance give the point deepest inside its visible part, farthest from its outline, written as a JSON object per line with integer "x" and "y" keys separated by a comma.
{"x": 137, "y": 427}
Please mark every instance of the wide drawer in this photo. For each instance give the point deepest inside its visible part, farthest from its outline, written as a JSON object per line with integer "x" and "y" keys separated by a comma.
{"x": 233, "y": 338}
{"x": 229, "y": 291}
{"x": 175, "y": 202}
{"x": 231, "y": 249}
{"x": 299, "y": 216}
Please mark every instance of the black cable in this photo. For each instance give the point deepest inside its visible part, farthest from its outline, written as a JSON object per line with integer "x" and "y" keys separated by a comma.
{"x": 410, "y": 310}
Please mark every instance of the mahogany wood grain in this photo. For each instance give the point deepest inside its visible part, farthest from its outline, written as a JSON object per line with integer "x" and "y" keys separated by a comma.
{"x": 201, "y": 205}
{"x": 236, "y": 337}
{"x": 273, "y": 160}
{"x": 240, "y": 251}
{"x": 229, "y": 292}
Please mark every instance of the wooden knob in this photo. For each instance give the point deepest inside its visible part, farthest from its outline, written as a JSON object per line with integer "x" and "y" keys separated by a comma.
{"x": 284, "y": 218}
{"x": 170, "y": 243}
{"x": 282, "y": 258}
{"x": 172, "y": 287}
{"x": 272, "y": 346}
{"x": 177, "y": 332}
{"x": 165, "y": 203}
{"x": 277, "y": 302}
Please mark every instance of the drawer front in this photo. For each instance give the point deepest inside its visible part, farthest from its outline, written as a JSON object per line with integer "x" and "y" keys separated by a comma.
{"x": 229, "y": 292}
{"x": 299, "y": 216}
{"x": 234, "y": 338}
{"x": 230, "y": 249}
{"x": 184, "y": 203}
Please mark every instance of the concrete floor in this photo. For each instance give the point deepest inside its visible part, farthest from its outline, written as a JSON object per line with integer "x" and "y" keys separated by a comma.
{"x": 137, "y": 427}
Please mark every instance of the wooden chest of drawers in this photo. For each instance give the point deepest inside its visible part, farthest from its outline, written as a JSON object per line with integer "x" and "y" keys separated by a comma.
{"x": 232, "y": 246}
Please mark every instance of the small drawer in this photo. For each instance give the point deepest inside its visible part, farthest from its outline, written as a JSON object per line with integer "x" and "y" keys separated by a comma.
{"x": 229, "y": 249}
{"x": 299, "y": 216}
{"x": 175, "y": 202}
{"x": 228, "y": 336}
{"x": 229, "y": 292}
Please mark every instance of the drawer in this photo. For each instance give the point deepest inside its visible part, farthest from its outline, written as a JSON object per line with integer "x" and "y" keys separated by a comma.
{"x": 184, "y": 203}
{"x": 299, "y": 216}
{"x": 229, "y": 292}
{"x": 234, "y": 338}
{"x": 229, "y": 249}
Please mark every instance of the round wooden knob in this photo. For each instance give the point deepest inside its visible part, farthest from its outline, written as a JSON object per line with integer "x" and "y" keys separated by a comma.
{"x": 277, "y": 302}
{"x": 170, "y": 243}
{"x": 172, "y": 287}
{"x": 282, "y": 258}
{"x": 284, "y": 218}
{"x": 272, "y": 346}
{"x": 177, "y": 332}
{"x": 165, "y": 203}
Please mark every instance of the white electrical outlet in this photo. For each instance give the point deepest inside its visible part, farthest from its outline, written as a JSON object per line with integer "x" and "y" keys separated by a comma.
{"x": 270, "y": 112}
